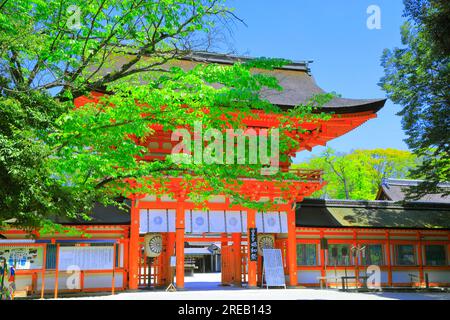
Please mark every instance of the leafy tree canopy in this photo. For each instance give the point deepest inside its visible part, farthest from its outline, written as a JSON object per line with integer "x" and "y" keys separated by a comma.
{"x": 417, "y": 77}
{"x": 357, "y": 175}
{"x": 56, "y": 159}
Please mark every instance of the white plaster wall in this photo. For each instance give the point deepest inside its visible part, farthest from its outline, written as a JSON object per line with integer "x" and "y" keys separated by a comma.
{"x": 308, "y": 276}
{"x": 341, "y": 273}
{"x": 23, "y": 281}
{"x": 384, "y": 277}
{"x": 50, "y": 281}
{"x": 438, "y": 276}
{"x": 102, "y": 280}
{"x": 403, "y": 276}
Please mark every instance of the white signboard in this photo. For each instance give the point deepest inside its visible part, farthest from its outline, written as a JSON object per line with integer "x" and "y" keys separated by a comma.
{"x": 86, "y": 258}
{"x": 273, "y": 268}
{"x": 23, "y": 258}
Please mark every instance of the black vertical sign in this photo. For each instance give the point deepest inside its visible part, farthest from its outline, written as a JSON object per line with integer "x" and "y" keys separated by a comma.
{"x": 253, "y": 244}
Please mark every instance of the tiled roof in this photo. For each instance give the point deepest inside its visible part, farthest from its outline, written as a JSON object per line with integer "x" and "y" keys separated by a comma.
{"x": 395, "y": 190}
{"x": 297, "y": 82}
{"x": 372, "y": 214}
{"x": 100, "y": 215}
{"x": 295, "y": 78}
{"x": 328, "y": 213}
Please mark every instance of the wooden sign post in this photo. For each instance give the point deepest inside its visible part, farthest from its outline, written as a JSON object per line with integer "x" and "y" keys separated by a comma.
{"x": 253, "y": 238}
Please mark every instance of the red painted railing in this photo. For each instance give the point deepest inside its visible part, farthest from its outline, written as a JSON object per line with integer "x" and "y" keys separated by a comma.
{"x": 308, "y": 174}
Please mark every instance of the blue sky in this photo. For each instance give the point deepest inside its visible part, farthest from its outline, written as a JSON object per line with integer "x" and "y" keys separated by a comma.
{"x": 346, "y": 54}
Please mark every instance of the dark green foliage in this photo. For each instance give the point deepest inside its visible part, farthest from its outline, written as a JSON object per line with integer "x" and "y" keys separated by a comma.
{"x": 56, "y": 159}
{"x": 417, "y": 77}
{"x": 29, "y": 195}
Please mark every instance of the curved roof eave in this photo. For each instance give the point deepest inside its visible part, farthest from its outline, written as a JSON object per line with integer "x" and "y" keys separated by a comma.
{"x": 298, "y": 85}
{"x": 372, "y": 105}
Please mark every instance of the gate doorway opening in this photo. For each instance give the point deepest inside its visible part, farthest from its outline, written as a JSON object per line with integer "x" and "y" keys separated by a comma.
{"x": 210, "y": 262}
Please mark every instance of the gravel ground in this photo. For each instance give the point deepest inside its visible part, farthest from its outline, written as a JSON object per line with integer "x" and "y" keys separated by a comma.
{"x": 271, "y": 294}
{"x": 207, "y": 287}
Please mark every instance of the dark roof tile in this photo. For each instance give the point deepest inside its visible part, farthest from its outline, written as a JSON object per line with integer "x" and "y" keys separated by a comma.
{"x": 295, "y": 78}
{"x": 395, "y": 190}
{"x": 372, "y": 214}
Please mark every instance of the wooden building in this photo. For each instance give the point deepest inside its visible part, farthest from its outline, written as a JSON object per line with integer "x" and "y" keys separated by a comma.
{"x": 396, "y": 189}
{"x": 409, "y": 242}
{"x": 177, "y": 219}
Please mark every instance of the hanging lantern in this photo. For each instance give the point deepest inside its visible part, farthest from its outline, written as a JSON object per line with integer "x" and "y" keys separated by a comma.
{"x": 265, "y": 241}
{"x": 153, "y": 244}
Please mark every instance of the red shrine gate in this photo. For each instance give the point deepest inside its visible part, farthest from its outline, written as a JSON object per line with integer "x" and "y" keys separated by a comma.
{"x": 180, "y": 221}
{"x": 283, "y": 195}
{"x": 344, "y": 115}
{"x": 286, "y": 193}
{"x": 158, "y": 272}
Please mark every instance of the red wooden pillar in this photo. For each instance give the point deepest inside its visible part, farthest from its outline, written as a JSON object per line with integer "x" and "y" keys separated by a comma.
{"x": 134, "y": 247}
{"x": 389, "y": 258}
{"x": 236, "y": 237}
{"x": 126, "y": 258}
{"x": 252, "y": 265}
{"x": 292, "y": 247}
{"x": 224, "y": 236}
{"x": 170, "y": 252}
{"x": 224, "y": 244}
{"x": 420, "y": 258}
{"x": 44, "y": 259}
{"x": 113, "y": 280}
{"x": 34, "y": 282}
{"x": 180, "y": 245}
{"x": 323, "y": 262}
{"x": 56, "y": 272}
{"x": 356, "y": 257}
